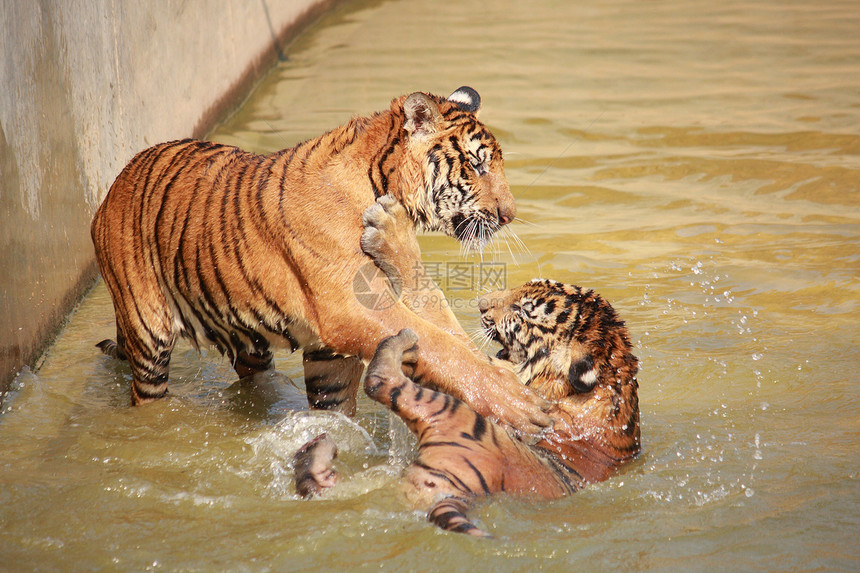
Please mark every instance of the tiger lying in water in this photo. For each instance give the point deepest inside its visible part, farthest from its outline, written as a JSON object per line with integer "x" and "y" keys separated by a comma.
{"x": 566, "y": 343}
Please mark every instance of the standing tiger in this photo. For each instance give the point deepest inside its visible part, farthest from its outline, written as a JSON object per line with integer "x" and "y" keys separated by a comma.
{"x": 566, "y": 343}
{"x": 252, "y": 252}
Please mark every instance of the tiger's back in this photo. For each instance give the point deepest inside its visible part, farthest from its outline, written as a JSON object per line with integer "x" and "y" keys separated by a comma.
{"x": 193, "y": 222}
{"x": 250, "y": 253}
{"x": 177, "y": 249}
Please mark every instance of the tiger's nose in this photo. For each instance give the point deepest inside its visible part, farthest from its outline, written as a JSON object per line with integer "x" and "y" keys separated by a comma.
{"x": 484, "y": 304}
{"x": 506, "y": 213}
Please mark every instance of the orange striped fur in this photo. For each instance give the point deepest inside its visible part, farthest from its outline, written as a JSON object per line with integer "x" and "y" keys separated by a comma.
{"x": 566, "y": 343}
{"x": 250, "y": 253}
{"x": 570, "y": 347}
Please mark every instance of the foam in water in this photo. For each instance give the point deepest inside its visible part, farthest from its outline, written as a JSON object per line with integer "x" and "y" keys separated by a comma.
{"x": 274, "y": 449}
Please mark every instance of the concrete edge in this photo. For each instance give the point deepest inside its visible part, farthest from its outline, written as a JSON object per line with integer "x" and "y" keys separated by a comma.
{"x": 51, "y": 326}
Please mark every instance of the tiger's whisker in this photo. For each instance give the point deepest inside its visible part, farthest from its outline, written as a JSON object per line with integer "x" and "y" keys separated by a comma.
{"x": 467, "y": 244}
{"x": 510, "y": 250}
{"x": 524, "y": 221}
{"x": 477, "y": 337}
{"x": 519, "y": 242}
{"x": 520, "y": 245}
{"x": 480, "y": 337}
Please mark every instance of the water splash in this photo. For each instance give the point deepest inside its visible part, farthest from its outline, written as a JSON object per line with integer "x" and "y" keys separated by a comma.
{"x": 402, "y": 442}
{"x": 273, "y": 449}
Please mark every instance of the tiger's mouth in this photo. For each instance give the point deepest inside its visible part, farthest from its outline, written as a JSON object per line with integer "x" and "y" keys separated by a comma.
{"x": 493, "y": 333}
{"x": 473, "y": 231}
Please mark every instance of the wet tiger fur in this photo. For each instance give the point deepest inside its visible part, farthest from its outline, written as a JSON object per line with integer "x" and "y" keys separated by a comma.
{"x": 572, "y": 348}
{"x": 565, "y": 342}
{"x": 252, "y": 252}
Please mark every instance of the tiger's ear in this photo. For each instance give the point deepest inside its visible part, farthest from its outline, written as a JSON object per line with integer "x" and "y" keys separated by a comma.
{"x": 582, "y": 374}
{"x": 422, "y": 114}
{"x": 466, "y": 99}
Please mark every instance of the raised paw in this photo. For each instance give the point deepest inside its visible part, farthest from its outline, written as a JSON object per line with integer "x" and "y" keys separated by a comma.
{"x": 394, "y": 358}
{"x": 314, "y": 466}
{"x": 389, "y": 237}
{"x": 385, "y": 213}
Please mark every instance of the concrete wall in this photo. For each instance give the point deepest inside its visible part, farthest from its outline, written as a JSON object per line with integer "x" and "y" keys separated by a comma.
{"x": 84, "y": 85}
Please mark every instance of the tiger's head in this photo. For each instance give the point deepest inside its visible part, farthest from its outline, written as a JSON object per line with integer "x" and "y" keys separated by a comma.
{"x": 464, "y": 192}
{"x": 568, "y": 344}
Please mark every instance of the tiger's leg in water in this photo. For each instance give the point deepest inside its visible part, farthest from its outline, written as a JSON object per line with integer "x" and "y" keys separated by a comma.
{"x": 450, "y": 514}
{"x": 425, "y": 412}
{"x": 332, "y": 380}
{"x": 250, "y": 363}
{"x": 314, "y": 466}
{"x": 145, "y": 331}
{"x": 148, "y": 348}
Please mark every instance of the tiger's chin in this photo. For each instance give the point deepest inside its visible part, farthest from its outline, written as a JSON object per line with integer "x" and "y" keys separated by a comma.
{"x": 474, "y": 233}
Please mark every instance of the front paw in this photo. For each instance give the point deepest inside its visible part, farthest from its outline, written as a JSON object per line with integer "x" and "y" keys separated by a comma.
{"x": 389, "y": 234}
{"x": 510, "y": 403}
{"x": 385, "y": 214}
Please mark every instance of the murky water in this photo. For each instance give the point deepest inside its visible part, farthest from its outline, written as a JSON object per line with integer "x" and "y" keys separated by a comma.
{"x": 698, "y": 165}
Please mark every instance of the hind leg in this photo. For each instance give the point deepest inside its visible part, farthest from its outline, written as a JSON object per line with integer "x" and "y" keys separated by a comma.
{"x": 146, "y": 338}
{"x": 426, "y": 412}
{"x": 148, "y": 352}
{"x": 332, "y": 380}
{"x": 250, "y": 363}
{"x": 447, "y": 432}
{"x": 461, "y": 454}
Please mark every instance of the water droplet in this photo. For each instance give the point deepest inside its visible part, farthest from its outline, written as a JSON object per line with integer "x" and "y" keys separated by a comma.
{"x": 757, "y": 356}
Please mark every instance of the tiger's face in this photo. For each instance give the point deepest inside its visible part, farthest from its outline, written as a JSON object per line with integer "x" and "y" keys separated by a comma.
{"x": 465, "y": 192}
{"x": 564, "y": 341}
{"x": 570, "y": 347}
